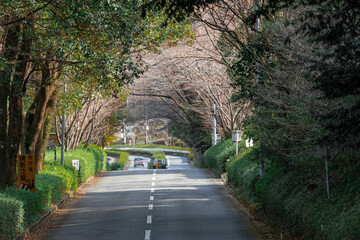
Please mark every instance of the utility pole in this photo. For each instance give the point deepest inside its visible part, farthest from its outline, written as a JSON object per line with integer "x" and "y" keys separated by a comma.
{"x": 214, "y": 123}
{"x": 146, "y": 129}
{"x": 63, "y": 132}
{"x": 261, "y": 157}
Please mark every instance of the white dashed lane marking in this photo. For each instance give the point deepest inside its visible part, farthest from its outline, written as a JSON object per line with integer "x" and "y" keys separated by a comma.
{"x": 149, "y": 219}
{"x": 147, "y": 234}
{"x": 151, "y": 207}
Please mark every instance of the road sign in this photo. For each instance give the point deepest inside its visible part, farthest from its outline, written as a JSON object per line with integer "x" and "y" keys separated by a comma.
{"x": 236, "y": 135}
{"x": 249, "y": 142}
{"x": 218, "y": 139}
{"x": 26, "y": 172}
{"x": 76, "y": 164}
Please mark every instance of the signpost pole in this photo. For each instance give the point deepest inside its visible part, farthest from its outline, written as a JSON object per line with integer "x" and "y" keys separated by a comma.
{"x": 237, "y": 148}
{"x": 214, "y": 124}
{"x": 236, "y": 137}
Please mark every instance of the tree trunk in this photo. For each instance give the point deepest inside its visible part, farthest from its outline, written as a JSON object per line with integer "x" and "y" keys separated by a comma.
{"x": 45, "y": 132}
{"x": 7, "y": 40}
{"x": 14, "y": 86}
{"x": 16, "y": 101}
{"x": 4, "y": 157}
{"x": 36, "y": 117}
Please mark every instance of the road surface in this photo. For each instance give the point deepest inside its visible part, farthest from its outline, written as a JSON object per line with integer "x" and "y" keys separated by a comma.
{"x": 179, "y": 203}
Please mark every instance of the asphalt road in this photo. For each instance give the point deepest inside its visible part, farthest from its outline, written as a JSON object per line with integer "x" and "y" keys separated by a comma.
{"x": 179, "y": 203}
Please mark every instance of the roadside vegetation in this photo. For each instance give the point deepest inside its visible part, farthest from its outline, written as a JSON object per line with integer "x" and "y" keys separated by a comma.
{"x": 122, "y": 159}
{"x": 19, "y": 209}
{"x": 285, "y": 73}
{"x": 152, "y": 154}
{"x": 294, "y": 202}
{"x": 151, "y": 146}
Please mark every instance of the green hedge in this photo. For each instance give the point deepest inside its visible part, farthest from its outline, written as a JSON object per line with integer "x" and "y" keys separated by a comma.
{"x": 158, "y": 155}
{"x": 153, "y": 154}
{"x": 217, "y": 155}
{"x": 123, "y": 158}
{"x": 51, "y": 185}
{"x": 11, "y": 217}
{"x": 151, "y": 146}
{"x": 291, "y": 199}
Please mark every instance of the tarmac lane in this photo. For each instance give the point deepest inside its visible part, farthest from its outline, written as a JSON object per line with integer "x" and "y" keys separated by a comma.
{"x": 164, "y": 204}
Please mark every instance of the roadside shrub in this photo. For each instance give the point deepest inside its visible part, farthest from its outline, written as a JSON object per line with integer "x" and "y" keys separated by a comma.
{"x": 100, "y": 157}
{"x": 11, "y": 217}
{"x": 113, "y": 153}
{"x": 217, "y": 155}
{"x": 51, "y": 186}
{"x": 153, "y": 154}
{"x": 52, "y": 183}
{"x": 33, "y": 204}
{"x": 243, "y": 172}
{"x": 123, "y": 158}
{"x": 152, "y": 146}
{"x": 151, "y": 165}
{"x": 295, "y": 202}
{"x": 68, "y": 172}
{"x": 88, "y": 162}
{"x": 114, "y": 166}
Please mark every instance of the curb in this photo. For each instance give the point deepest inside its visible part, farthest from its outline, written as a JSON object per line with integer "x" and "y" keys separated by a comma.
{"x": 45, "y": 216}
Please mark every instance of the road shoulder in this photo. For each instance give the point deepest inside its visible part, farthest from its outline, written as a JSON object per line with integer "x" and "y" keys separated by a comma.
{"x": 256, "y": 227}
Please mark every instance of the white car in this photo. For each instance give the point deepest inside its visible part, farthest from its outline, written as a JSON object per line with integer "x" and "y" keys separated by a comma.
{"x": 138, "y": 162}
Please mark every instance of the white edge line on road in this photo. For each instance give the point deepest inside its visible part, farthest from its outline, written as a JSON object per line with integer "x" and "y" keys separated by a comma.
{"x": 149, "y": 219}
{"x": 152, "y": 189}
{"x": 154, "y": 174}
{"x": 153, "y": 184}
{"x": 147, "y": 234}
{"x": 151, "y": 198}
{"x": 151, "y": 206}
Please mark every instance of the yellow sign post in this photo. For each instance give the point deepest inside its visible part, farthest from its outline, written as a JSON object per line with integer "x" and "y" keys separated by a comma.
{"x": 26, "y": 172}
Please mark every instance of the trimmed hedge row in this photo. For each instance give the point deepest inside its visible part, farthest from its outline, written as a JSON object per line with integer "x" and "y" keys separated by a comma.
{"x": 217, "y": 155}
{"x": 286, "y": 198}
{"x": 21, "y": 208}
{"x": 152, "y": 146}
{"x": 152, "y": 154}
{"x": 11, "y": 217}
{"x": 123, "y": 158}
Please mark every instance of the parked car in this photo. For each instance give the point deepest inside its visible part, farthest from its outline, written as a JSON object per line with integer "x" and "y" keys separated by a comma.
{"x": 138, "y": 162}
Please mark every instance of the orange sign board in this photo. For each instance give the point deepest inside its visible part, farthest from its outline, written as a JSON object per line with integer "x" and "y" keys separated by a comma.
{"x": 26, "y": 172}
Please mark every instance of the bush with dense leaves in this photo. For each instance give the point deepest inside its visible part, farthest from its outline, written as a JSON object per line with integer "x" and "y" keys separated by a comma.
{"x": 123, "y": 158}
{"x": 217, "y": 155}
{"x": 294, "y": 200}
{"x": 11, "y": 217}
{"x": 21, "y": 208}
